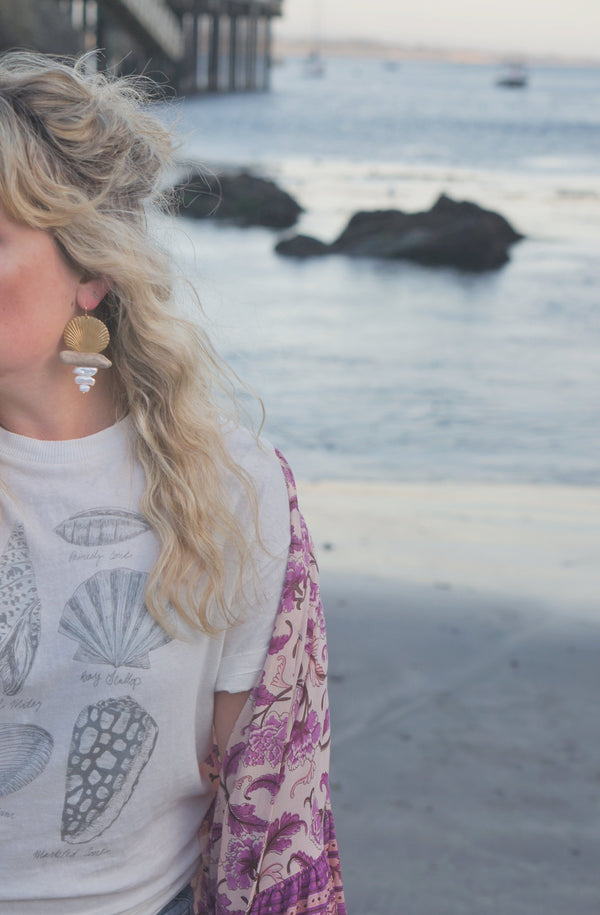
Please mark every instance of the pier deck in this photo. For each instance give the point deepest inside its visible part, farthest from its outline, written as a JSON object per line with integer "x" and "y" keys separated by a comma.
{"x": 198, "y": 45}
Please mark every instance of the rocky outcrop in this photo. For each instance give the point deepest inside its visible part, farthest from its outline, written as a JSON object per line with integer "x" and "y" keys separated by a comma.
{"x": 238, "y": 197}
{"x": 453, "y": 233}
{"x": 302, "y": 246}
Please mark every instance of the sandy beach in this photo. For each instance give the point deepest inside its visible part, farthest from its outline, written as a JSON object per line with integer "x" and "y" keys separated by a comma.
{"x": 464, "y": 643}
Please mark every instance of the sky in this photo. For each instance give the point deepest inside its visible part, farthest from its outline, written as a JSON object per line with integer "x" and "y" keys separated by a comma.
{"x": 565, "y": 27}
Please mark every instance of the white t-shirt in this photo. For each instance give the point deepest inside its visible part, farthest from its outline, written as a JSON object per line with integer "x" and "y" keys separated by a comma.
{"x": 103, "y": 717}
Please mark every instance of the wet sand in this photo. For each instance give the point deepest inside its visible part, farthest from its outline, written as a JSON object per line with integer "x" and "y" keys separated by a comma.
{"x": 464, "y": 634}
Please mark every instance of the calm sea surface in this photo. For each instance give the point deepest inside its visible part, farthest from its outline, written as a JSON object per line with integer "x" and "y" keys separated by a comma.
{"x": 392, "y": 371}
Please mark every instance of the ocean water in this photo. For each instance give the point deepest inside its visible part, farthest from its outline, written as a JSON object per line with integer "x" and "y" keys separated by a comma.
{"x": 391, "y": 371}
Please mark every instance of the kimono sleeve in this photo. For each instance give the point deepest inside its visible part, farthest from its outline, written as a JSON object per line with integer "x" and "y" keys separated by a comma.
{"x": 268, "y": 842}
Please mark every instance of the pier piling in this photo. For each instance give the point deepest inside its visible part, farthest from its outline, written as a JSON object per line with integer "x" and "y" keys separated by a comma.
{"x": 196, "y": 45}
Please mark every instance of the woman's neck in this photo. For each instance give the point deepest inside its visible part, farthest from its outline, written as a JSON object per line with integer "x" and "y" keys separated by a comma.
{"x": 57, "y": 412}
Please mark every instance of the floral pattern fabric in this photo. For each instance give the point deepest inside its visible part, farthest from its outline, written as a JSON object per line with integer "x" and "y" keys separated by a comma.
{"x": 268, "y": 840}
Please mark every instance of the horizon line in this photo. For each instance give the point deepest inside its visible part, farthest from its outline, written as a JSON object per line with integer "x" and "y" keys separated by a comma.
{"x": 417, "y": 49}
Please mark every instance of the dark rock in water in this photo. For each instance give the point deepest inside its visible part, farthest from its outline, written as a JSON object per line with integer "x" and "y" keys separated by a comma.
{"x": 238, "y": 197}
{"x": 302, "y": 246}
{"x": 454, "y": 233}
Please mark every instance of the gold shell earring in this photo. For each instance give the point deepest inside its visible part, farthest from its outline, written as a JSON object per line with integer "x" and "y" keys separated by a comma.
{"x": 86, "y": 337}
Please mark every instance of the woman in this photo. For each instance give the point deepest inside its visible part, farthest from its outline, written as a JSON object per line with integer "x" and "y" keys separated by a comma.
{"x": 157, "y": 586}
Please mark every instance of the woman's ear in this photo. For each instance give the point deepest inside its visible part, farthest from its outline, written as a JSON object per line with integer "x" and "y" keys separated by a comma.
{"x": 91, "y": 292}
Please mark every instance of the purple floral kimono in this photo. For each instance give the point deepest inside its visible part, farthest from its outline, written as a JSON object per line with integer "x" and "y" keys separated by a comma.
{"x": 268, "y": 842}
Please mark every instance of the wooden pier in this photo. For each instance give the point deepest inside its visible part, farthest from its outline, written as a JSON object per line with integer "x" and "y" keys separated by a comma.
{"x": 194, "y": 45}
{"x": 227, "y": 43}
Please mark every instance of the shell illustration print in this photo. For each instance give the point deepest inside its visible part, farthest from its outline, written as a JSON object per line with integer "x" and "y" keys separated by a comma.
{"x": 112, "y": 742}
{"x": 24, "y": 753}
{"x": 19, "y": 613}
{"x": 108, "y": 617}
{"x": 102, "y": 526}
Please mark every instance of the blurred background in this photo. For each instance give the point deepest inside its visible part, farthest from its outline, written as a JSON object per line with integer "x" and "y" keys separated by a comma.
{"x": 377, "y": 369}
{"x": 444, "y": 424}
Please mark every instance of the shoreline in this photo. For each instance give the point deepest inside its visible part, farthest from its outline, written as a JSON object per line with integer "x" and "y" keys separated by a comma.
{"x": 301, "y": 47}
{"x": 464, "y": 638}
{"x": 527, "y": 540}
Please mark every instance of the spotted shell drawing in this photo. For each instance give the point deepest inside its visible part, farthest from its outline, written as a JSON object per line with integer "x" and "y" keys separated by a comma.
{"x": 24, "y": 753}
{"x": 108, "y": 617}
{"x": 111, "y": 743}
{"x": 86, "y": 335}
{"x": 20, "y": 616}
{"x": 101, "y": 526}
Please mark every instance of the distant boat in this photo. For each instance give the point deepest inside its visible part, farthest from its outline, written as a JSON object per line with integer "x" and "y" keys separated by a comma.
{"x": 514, "y": 77}
{"x": 314, "y": 65}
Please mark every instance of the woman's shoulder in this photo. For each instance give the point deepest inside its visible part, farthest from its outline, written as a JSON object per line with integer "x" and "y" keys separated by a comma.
{"x": 256, "y": 456}
{"x": 260, "y": 463}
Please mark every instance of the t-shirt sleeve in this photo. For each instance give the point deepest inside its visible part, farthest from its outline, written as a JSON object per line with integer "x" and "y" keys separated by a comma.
{"x": 246, "y": 644}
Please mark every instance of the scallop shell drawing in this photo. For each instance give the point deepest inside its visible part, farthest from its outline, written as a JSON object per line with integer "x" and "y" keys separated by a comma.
{"x": 102, "y": 526}
{"x": 112, "y": 742}
{"x": 108, "y": 617}
{"x": 86, "y": 335}
{"x": 24, "y": 753}
{"x": 19, "y": 613}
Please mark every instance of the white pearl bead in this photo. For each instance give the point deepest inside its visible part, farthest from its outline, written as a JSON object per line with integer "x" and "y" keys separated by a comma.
{"x": 84, "y": 377}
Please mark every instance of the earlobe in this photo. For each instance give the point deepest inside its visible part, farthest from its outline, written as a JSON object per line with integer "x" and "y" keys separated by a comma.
{"x": 91, "y": 292}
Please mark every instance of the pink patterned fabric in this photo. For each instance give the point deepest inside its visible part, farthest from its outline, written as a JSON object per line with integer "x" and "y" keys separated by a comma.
{"x": 268, "y": 841}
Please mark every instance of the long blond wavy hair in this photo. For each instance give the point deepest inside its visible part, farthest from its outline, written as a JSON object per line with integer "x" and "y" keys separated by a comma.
{"x": 82, "y": 157}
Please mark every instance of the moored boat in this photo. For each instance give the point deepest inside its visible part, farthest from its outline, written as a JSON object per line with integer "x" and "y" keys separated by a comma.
{"x": 514, "y": 77}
